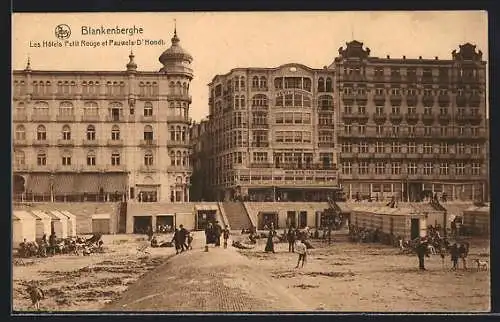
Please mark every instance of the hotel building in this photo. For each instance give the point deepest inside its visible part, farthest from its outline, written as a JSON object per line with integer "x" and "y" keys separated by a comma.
{"x": 103, "y": 135}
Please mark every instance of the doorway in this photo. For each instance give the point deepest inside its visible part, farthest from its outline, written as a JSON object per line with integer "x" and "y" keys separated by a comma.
{"x": 18, "y": 184}
{"x": 203, "y": 217}
{"x": 291, "y": 219}
{"x": 302, "y": 219}
{"x": 142, "y": 224}
{"x": 415, "y": 228}
{"x": 164, "y": 224}
{"x": 266, "y": 219}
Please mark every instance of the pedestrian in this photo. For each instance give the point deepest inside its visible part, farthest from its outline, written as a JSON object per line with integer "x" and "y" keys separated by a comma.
{"x": 462, "y": 253}
{"x": 217, "y": 233}
{"x": 225, "y": 233}
{"x": 301, "y": 249}
{"x": 209, "y": 234}
{"x": 175, "y": 240}
{"x": 183, "y": 233}
{"x": 291, "y": 236}
{"x": 270, "y": 242}
{"x": 454, "y": 255}
{"x": 422, "y": 252}
{"x": 190, "y": 240}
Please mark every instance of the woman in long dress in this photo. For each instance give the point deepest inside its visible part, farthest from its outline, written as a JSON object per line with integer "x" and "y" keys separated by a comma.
{"x": 270, "y": 243}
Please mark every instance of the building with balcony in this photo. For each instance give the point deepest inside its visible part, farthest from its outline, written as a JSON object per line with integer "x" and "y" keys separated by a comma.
{"x": 411, "y": 127}
{"x": 103, "y": 135}
{"x": 269, "y": 136}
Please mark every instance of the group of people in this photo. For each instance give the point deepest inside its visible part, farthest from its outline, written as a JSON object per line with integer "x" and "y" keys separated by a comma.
{"x": 456, "y": 252}
{"x": 182, "y": 239}
{"x": 214, "y": 232}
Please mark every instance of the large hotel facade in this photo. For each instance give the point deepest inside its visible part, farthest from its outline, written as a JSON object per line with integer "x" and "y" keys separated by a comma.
{"x": 103, "y": 135}
{"x": 375, "y": 127}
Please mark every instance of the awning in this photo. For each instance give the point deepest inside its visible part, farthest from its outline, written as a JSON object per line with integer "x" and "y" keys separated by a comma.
{"x": 115, "y": 182}
{"x": 38, "y": 183}
{"x": 64, "y": 184}
{"x": 23, "y": 215}
{"x": 40, "y": 214}
{"x": 101, "y": 216}
{"x": 68, "y": 214}
{"x": 89, "y": 183}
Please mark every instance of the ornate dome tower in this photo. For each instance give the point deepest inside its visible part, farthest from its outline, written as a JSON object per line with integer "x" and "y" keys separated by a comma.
{"x": 175, "y": 59}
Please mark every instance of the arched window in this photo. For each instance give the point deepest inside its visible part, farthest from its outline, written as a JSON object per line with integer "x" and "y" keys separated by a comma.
{"x": 19, "y": 157}
{"x": 279, "y": 99}
{"x": 325, "y": 102}
{"x": 115, "y": 158}
{"x": 148, "y": 133}
{"x": 115, "y": 133}
{"x": 172, "y": 158}
{"x": 41, "y": 158}
{"x": 20, "y": 132}
{"x": 183, "y": 138}
{"x": 178, "y": 158}
{"x": 90, "y": 109}
{"x": 237, "y": 101}
{"x": 329, "y": 87}
{"x": 148, "y": 109}
{"x": 184, "y": 159}
{"x": 321, "y": 84}
{"x": 172, "y": 133}
{"x": 115, "y": 110}
{"x": 148, "y": 158}
{"x": 242, "y": 83}
{"x": 259, "y": 100}
{"x": 66, "y": 158}
{"x": 41, "y": 108}
{"x": 255, "y": 82}
{"x": 142, "y": 91}
{"x": 41, "y": 133}
{"x": 263, "y": 82}
{"x": 278, "y": 83}
{"x": 184, "y": 89}
{"x": 66, "y": 108}
{"x": 66, "y": 132}
{"x": 91, "y": 133}
{"x": 91, "y": 158}
{"x": 242, "y": 101}
{"x": 307, "y": 84}
{"x": 171, "y": 88}
{"x": 177, "y": 133}
{"x": 178, "y": 88}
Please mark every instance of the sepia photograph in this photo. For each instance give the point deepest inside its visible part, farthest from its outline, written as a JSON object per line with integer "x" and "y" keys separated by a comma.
{"x": 250, "y": 162}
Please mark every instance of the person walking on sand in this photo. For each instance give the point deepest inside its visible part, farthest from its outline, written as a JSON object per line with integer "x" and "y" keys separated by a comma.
{"x": 422, "y": 251}
{"x": 301, "y": 249}
{"x": 183, "y": 233}
{"x": 175, "y": 240}
{"x": 291, "y": 239}
{"x": 270, "y": 242}
{"x": 454, "y": 256}
{"x": 217, "y": 233}
{"x": 225, "y": 234}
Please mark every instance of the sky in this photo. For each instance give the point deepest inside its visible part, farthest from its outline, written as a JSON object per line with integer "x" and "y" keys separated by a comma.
{"x": 222, "y": 41}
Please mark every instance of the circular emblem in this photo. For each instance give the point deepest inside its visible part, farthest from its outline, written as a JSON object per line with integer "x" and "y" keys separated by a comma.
{"x": 62, "y": 31}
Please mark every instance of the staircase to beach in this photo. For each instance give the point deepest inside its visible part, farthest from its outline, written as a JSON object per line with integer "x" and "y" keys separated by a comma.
{"x": 237, "y": 215}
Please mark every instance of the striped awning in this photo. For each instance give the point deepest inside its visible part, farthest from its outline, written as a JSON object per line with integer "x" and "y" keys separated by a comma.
{"x": 112, "y": 182}
{"x": 38, "y": 183}
{"x": 64, "y": 184}
{"x": 88, "y": 183}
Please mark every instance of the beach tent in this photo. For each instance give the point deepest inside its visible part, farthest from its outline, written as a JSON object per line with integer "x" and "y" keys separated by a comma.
{"x": 23, "y": 227}
{"x": 59, "y": 224}
{"x": 71, "y": 222}
{"x": 101, "y": 223}
{"x": 43, "y": 223}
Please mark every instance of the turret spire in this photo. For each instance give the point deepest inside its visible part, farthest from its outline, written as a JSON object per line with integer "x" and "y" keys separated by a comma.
{"x": 131, "y": 66}
{"x": 28, "y": 65}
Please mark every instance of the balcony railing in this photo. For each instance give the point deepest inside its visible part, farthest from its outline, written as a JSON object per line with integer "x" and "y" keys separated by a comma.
{"x": 412, "y": 118}
{"x": 264, "y": 144}
{"x": 444, "y": 118}
{"x": 428, "y": 100}
{"x": 40, "y": 117}
{"x": 349, "y": 116}
{"x": 379, "y": 117}
{"x": 148, "y": 143}
{"x": 90, "y": 142}
{"x": 151, "y": 118}
{"x": 148, "y": 169}
{"x": 184, "y": 97}
{"x": 178, "y": 143}
{"x": 379, "y": 97}
{"x": 21, "y": 168}
{"x": 90, "y": 118}
{"x": 20, "y": 142}
{"x": 362, "y": 116}
{"x": 428, "y": 118}
{"x": 19, "y": 117}
{"x": 178, "y": 118}
{"x": 116, "y": 168}
{"x": 115, "y": 118}
{"x": 396, "y": 117}
{"x": 40, "y": 143}
{"x": 62, "y": 142}
{"x": 260, "y": 125}
{"x": 326, "y": 144}
{"x": 115, "y": 142}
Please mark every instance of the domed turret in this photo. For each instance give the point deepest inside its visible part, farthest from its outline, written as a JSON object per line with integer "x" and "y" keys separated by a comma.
{"x": 131, "y": 66}
{"x": 175, "y": 59}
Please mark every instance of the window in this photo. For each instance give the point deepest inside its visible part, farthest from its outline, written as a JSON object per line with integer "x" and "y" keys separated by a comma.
{"x": 363, "y": 147}
{"x": 260, "y": 157}
{"x": 396, "y": 110}
{"x": 476, "y": 169}
{"x": 325, "y": 102}
{"x": 91, "y": 158}
{"x": 395, "y": 129}
{"x": 41, "y": 133}
{"x": 443, "y": 130}
{"x": 460, "y": 148}
{"x": 411, "y": 129}
{"x": 347, "y": 128}
{"x": 347, "y": 109}
{"x": 427, "y": 148}
{"x": 148, "y": 109}
{"x": 41, "y": 158}
{"x": 66, "y": 159}
{"x": 428, "y": 168}
{"x": 361, "y": 109}
{"x": 396, "y": 168}
{"x": 148, "y": 158}
{"x": 379, "y": 168}
{"x": 395, "y": 91}
{"x": 20, "y": 132}
{"x": 148, "y": 133}
{"x": 347, "y": 147}
{"x": 443, "y": 148}
{"x": 395, "y": 147}
{"x": 443, "y": 169}
{"x": 115, "y": 158}
{"x": 259, "y": 100}
{"x": 279, "y": 118}
{"x": 412, "y": 110}
{"x": 90, "y": 133}
{"x": 362, "y": 129}
{"x": 66, "y": 108}
{"x": 66, "y": 133}
{"x": 427, "y": 130}
{"x": 90, "y": 109}
{"x": 379, "y": 147}
{"x": 115, "y": 133}
{"x": 255, "y": 82}
{"x": 460, "y": 169}
{"x": 363, "y": 168}
{"x": 263, "y": 82}
{"x": 379, "y": 129}
{"x": 476, "y": 148}
{"x": 347, "y": 168}
{"x": 412, "y": 168}
{"x": 329, "y": 87}
{"x": 427, "y": 110}
{"x": 379, "y": 110}
{"x": 412, "y": 147}
{"x": 19, "y": 158}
